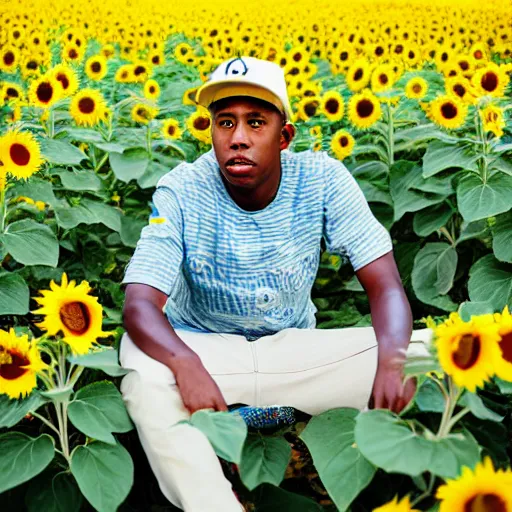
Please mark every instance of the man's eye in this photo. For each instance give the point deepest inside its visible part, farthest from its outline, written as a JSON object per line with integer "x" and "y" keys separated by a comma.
{"x": 256, "y": 122}
{"x": 226, "y": 123}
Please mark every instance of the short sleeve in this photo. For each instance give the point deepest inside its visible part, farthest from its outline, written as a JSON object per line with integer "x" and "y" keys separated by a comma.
{"x": 158, "y": 256}
{"x": 350, "y": 228}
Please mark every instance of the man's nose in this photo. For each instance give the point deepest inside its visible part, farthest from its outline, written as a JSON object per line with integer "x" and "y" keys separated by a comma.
{"x": 240, "y": 137}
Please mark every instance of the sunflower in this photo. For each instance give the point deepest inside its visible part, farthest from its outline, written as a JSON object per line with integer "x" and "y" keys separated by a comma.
{"x": 151, "y": 90}
{"x": 9, "y": 59}
{"x": 503, "y": 365}
{"x": 404, "y": 505}
{"x": 182, "y": 51}
{"x": 480, "y": 490}
{"x": 20, "y": 154}
{"x": 364, "y": 109}
{"x": 20, "y": 362}
{"x": 87, "y": 107}
{"x": 461, "y": 88}
{"x": 308, "y": 107}
{"x": 72, "y": 53}
{"x": 199, "y": 125}
{"x": 171, "y": 129}
{"x": 96, "y": 67}
{"x": 448, "y": 111}
{"x": 383, "y": 78}
{"x": 142, "y": 113}
{"x": 189, "y": 96}
{"x": 141, "y": 71}
{"x": 492, "y": 118}
{"x": 467, "y": 350}
{"x": 466, "y": 64}
{"x": 44, "y": 91}
{"x": 124, "y": 74}
{"x": 490, "y": 80}
{"x": 156, "y": 57}
{"x": 332, "y": 106}
{"x": 416, "y": 88}
{"x": 479, "y": 52}
{"x": 358, "y": 75}
{"x": 108, "y": 50}
{"x": 11, "y": 92}
{"x": 342, "y": 144}
{"x": 70, "y": 309}
{"x": 67, "y": 77}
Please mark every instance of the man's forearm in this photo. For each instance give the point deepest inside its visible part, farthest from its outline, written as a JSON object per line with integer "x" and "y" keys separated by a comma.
{"x": 392, "y": 321}
{"x": 150, "y": 330}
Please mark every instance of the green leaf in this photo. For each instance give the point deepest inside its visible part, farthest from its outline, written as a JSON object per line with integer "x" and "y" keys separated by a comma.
{"x": 269, "y": 498}
{"x": 370, "y": 171}
{"x": 225, "y": 431}
{"x": 13, "y": 411}
{"x": 14, "y": 294}
{"x": 129, "y": 165}
{"x": 429, "y": 397}
{"x": 89, "y": 212}
{"x": 501, "y": 164}
{"x": 491, "y": 281}
{"x": 153, "y": 173}
{"x": 471, "y": 230}
{"x": 388, "y": 442}
{"x": 475, "y": 403}
{"x": 340, "y": 465}
{"x": 431, "y": 219}
{"x": 23, "y": 457}
{"x": 37, "y": 189}
{"x": 104, "y": 474}
{"x": 478, "y": 200}
{"x": 53, "y": 493}
{"x": 502, "y": 237}
{"x": 110, "y": 147}
{"x": 468, "y": 309}
{"x": 83, "y": 134}
{"x": 130, "y": 230}
{"x": 433, "y": 273}
{"x": 97, "y": 410}
{"x": 504, "y": 386}
{"x": 375, "y": 193}
{"x": 61, "y": 153}
{"x": 58, "y": 394}
{"x": 409, "y": 138}
{"x": 78, "y": 179}
{"x": 264, "y": 459}
{"x": 440, "y": 156}
{"x": 31, "y": 243}
{"x": 105, "y": 360}
{"x": 130, "y": 137}
{"x": 419, "y": 365}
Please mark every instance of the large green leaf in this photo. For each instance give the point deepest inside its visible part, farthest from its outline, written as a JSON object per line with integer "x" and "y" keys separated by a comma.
{"x": 440, "y": 156}
{"x": 491, "y": 281}
{"x": 502, "y": 237}
{"x": 78, "y": 179}
{"x": 478, "y": 408}
{"x": 129, "y": 165}
{"x": 468, "y": 309}
{"x": 31, "y": 243}
{"x": 105, "y": 360}
{"x": 130, "y": 230}
{"x": 37, "y": 189}
{"x": 433, "y": 273}
{"x": 504, "y": 386}
{"x": 269, "y": 498}
{"x": 12, "y": 411}
{"x": 153, "y": 173}
{"x": 389, "y": 442}
{"x": 53, "y": 493}
{"x": 89, "y": 212}
{"x": 264, "y": 459}
{"x": 97, "y": 410}
{"x": 501, "y": 164}
{"x": 104, "y": 474}
{"x": 23, "y": 457}
{"x": 225, "y": 431}
{"x": 61, "y": 152}
{"x": 14, "y": 294}
{"x": 431, "y": 219}
{"x": 409, "y": 138}
{"x": 340, "y": 465}
{"x": 83, "y": 134}
{"x": 471, "y": 230}
{"x": 429, "y": 397}
{"x": 478, "y": 199}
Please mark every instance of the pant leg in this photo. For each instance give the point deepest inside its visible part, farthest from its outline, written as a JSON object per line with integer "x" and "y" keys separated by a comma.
{"x": 315, "y": 370}
{"x": 181, "y": 457}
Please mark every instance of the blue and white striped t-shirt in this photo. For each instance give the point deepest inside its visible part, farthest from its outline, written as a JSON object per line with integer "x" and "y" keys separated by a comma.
{"x": 229, "y": 270}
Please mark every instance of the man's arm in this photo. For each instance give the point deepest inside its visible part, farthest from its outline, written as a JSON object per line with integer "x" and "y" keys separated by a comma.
{"x": 392, "y": 321}
{"x": 150, "y": 330}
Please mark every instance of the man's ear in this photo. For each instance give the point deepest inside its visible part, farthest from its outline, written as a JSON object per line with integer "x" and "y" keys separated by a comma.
{"x": 287, "y": 134}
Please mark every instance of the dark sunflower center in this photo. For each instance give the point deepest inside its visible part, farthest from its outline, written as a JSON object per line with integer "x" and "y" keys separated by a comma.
{"x": 365, "y": 108}
{"x": 19, "y": 154}
{"x": 467, "y": 352}
{"x": 297, "y": 57}
{"x": 416, "y": 88}
{"x": 310, "y": 108}
{"x": 383, "y": 79}
{"x": 399, "y": 49}
{"x": 202, "y": 123}
{"x": 73, "y": 54}
{"x": 8, "y": 58}
{"x": 124, "y": 75}
{"x": 444, "y": 56}
{"x": 489, "y": 81}
{"x": 464, "y": 65}
{"x": 86, "y": 105}
{"x": 332, "y": 106}
{"x": 478, "y": 55}
{"x": 75, "y": 316}
{"x": 358, "y": 74}
{"x": 13, "y": 370}
{"x": 12, "y": 92}
{"x": 379, "y": 51}
{"x": 485, "y": 503}
{"x": 171, "y": 130}
{"x": 343, "y": 141}
{"x": 294, "y": 71}
{"x": 411, "y": 55}
{"x": 459, "y": 90}
{"x": 449, "y": 110}
{"x": 44, "y": 92}
{"x": 96, "y": 67}
{"x": 139, "y": 70}
{"x": 343, "y": 55}
{"x": 142, "y": 112}
{"x": 155, "y": 59}
{"x": 63, "y": 79}
{"x": 152, "y": 89}
{"x": 506, "y": 347}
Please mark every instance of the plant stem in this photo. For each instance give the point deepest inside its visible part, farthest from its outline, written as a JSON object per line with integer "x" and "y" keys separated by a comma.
{"x": 148, "y": 140}
{"x": 453, "y": 396}
{"x": 448, "y": 236}
{"x": 48, "y": 423}
{"x": 3, "y": 209}
{"x": 391, "y": 136}
{"x": 61, "y": 421}
{"x": 457, "y": 418}
{"x": 101, "y": 162}
{"x": 427, "y": 493}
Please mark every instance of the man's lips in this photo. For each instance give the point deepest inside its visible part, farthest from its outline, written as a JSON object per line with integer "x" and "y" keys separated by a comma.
{"x": 239, "y": 165}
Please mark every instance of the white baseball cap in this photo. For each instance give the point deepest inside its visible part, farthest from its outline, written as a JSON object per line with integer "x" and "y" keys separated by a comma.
{"x": 247, "y": 76}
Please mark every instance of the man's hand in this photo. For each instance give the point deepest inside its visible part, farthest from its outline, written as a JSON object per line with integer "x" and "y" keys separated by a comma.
{"x": 197, "y": 388}
{"x": 388, "y": 389}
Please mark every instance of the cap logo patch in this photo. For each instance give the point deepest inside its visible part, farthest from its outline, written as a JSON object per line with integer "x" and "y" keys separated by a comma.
{"x": 236, "y": 67}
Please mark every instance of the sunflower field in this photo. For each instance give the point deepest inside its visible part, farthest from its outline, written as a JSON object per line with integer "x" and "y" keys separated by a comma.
{"x": 97, "y": 104}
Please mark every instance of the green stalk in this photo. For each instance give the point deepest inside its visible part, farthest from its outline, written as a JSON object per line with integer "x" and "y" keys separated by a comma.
{"x": 148, "y": 140}
{"x": 446, "y": 420}
{"x": 481, "y": 135}
{"x": 391, "y": 136}
{"x": 3, "y": 209}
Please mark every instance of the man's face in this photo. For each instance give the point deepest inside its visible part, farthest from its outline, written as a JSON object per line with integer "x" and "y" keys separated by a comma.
{"x": 246, "y": 136}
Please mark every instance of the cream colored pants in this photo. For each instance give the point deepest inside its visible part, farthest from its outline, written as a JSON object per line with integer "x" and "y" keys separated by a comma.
{"x": 312, "y": 370}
